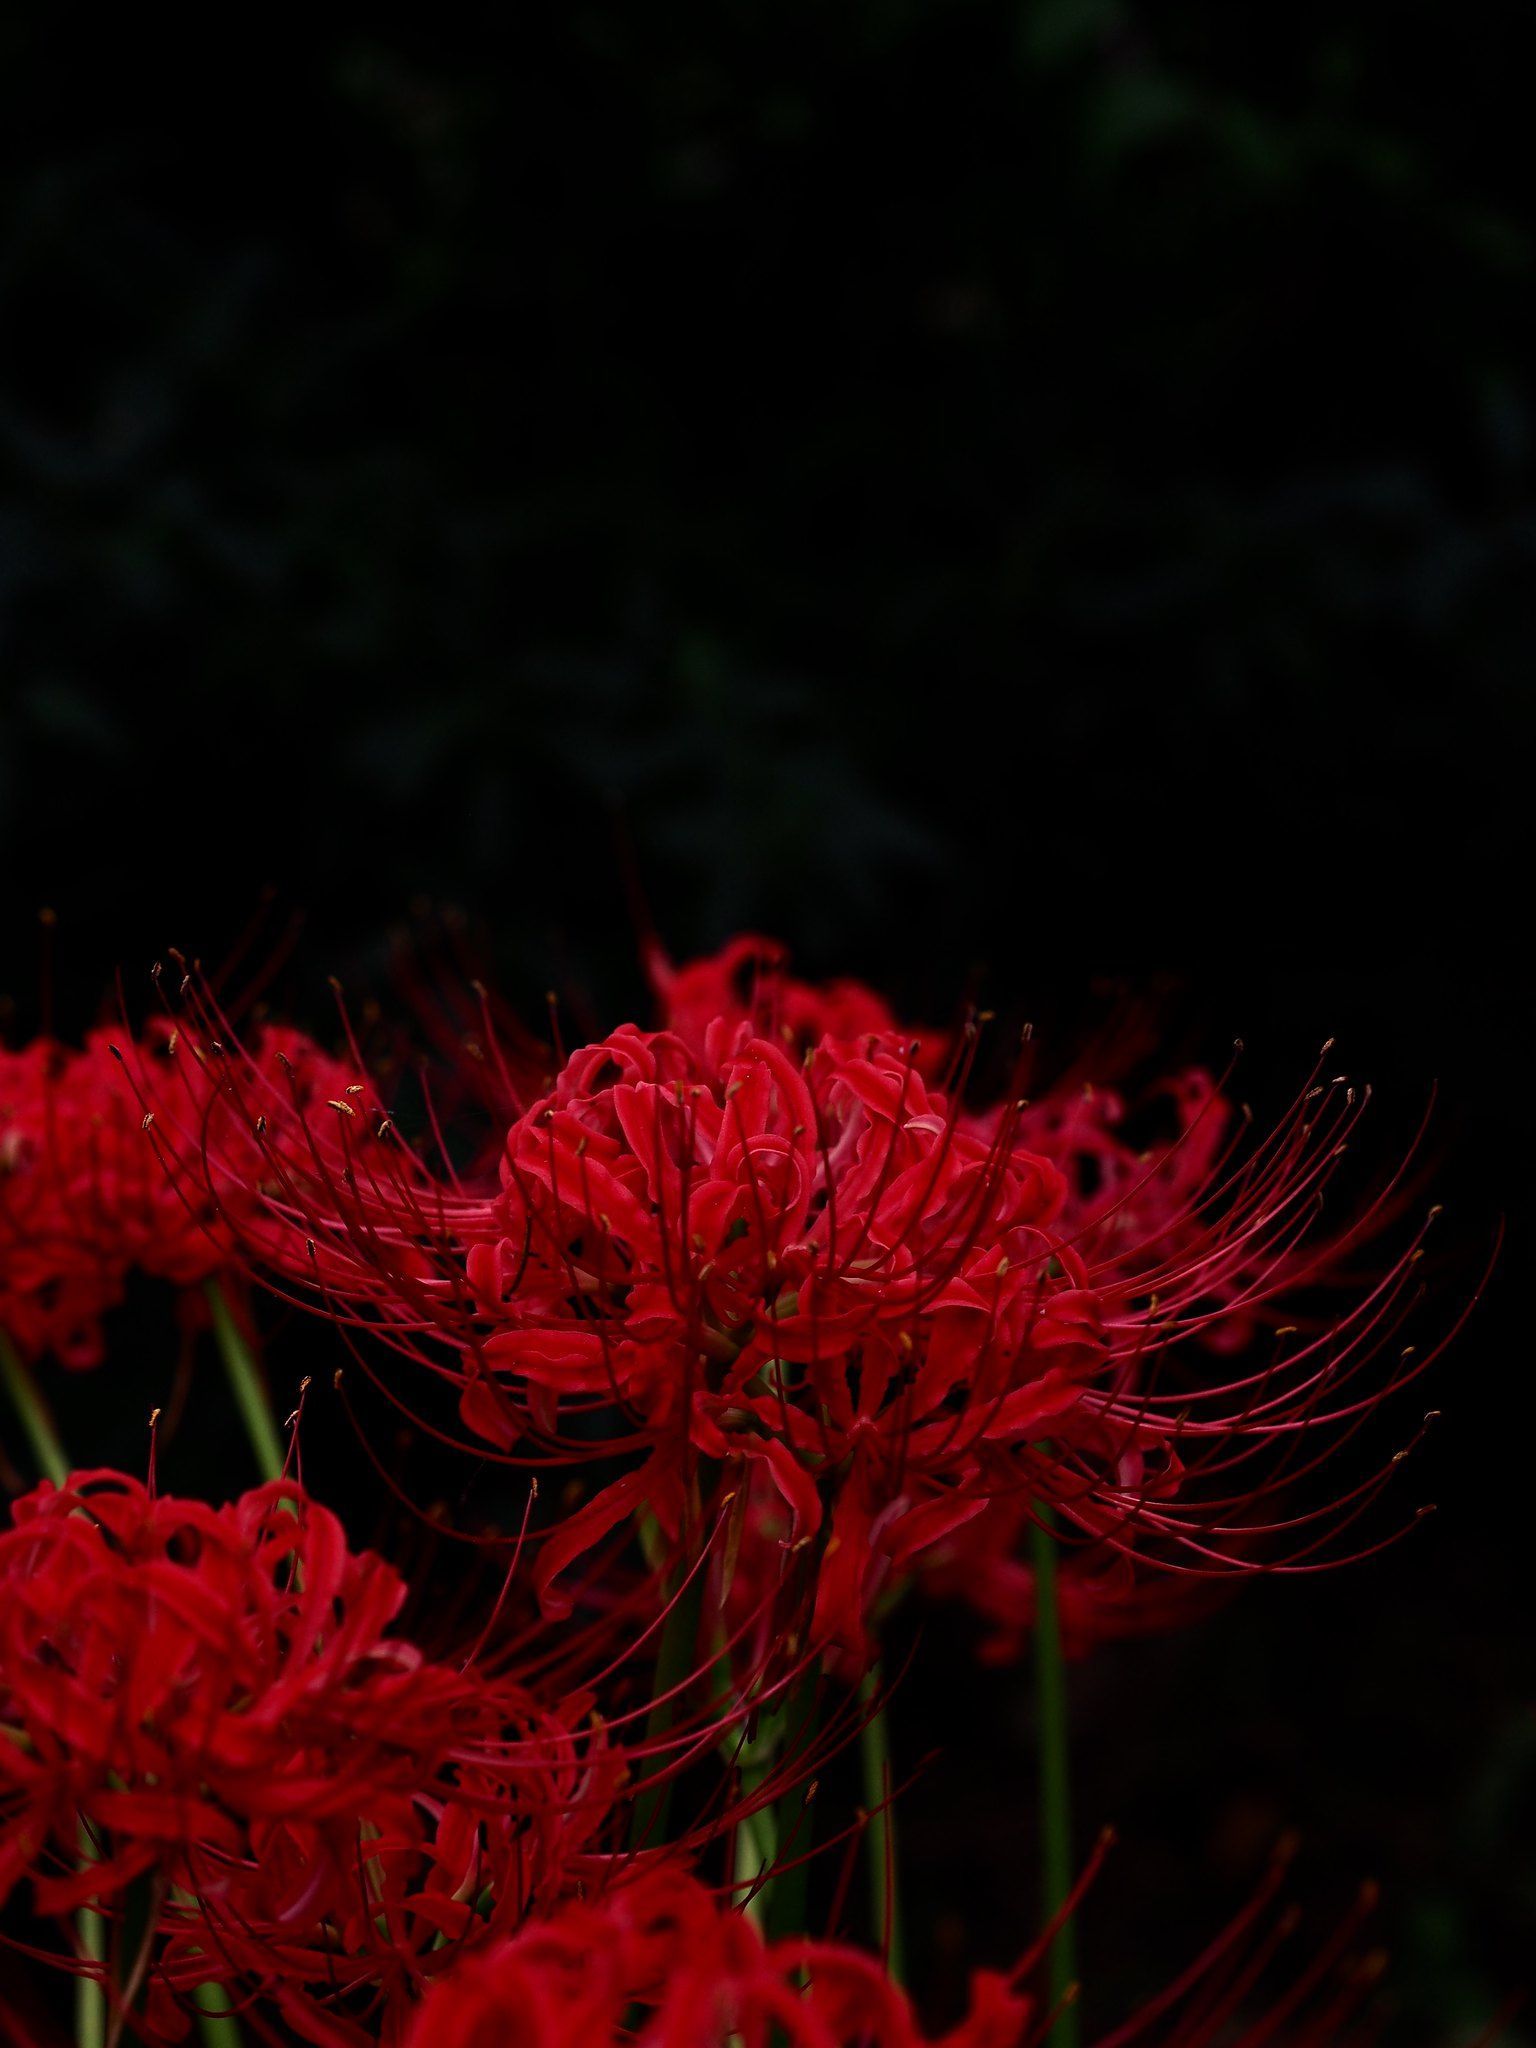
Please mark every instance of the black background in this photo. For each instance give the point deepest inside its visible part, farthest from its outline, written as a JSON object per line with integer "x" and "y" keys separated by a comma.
{"x": 1032, "y": 497}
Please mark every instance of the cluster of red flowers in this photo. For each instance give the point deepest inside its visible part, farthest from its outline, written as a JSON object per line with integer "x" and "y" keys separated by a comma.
{"x": 822, "y": 1320}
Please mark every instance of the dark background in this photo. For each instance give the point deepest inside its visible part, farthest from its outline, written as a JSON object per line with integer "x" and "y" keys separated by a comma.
{"x": 1040, "y": 494}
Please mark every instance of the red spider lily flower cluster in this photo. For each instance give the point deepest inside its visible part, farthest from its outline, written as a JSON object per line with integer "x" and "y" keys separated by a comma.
{"x": 801, "y": 1318}
{"x": 767, "y": 1255}
{"x": 214, "y": 1700}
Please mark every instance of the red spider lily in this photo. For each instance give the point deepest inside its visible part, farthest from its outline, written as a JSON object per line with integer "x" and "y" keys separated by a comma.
{"x": 214, "y": 1702}
{"x": 823, "y": 1270}
{"x": 804, "y": 1264}
{"x": 69, "y": 1199}
{"x": 84, "y": 1199}
{"x": 661, "y": 1964}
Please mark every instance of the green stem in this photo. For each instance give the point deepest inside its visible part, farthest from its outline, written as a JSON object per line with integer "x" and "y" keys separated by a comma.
{"x": 884, "y": 1871}
{"x": 678, "y": 1654}
{"x": 1054, "y": 1779}
{"x": 755, "y": 1847}
{"x": 783, "y": 1900}
{"x": 790, "y": 1718}
{"x": 219, "y": 2029}
{"x": 247, "y": 1385}
{"x": 33, "y": 1413}
{"x": 91, "y": 1934}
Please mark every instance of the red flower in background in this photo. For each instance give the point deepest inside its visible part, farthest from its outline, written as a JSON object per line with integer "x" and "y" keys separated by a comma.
{"x": 985, "y": 1566}
{"x": 85, "y": 1198}
{"x": 59, "y": 1271}
{"x": 748, "y": 982}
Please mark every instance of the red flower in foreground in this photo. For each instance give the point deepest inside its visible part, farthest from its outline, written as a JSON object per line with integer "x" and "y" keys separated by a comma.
{"x": 800, "y": 1263}
{"x": 213, "y": 1700}
{"x": 662, "y": 1964}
